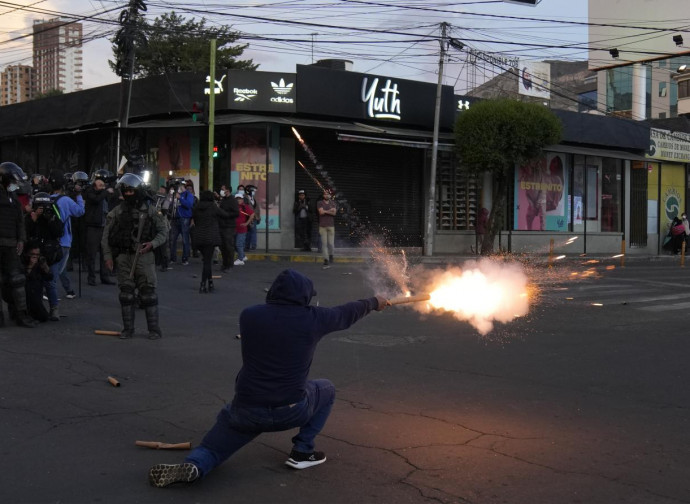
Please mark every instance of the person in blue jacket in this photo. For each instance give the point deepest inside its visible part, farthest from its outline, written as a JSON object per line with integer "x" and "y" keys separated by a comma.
{"x": 272, "y": 389}
{"x": 66, "y": 209}
{"x": 181, "y": 222}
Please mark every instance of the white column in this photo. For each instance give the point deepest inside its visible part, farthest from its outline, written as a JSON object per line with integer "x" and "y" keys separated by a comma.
{"x": 639, "y": 92}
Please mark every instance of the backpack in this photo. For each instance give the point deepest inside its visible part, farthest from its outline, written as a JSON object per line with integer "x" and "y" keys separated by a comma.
{"x": 50, "y": 247}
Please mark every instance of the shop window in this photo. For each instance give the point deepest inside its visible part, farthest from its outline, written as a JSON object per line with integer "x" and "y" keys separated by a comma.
{"x": 597, "y": 191}
{"x": 611, "y": 184}
{"x": 457, "y": 195}
{"x": 248, "y": 155}
{"x": 540, "y": 201}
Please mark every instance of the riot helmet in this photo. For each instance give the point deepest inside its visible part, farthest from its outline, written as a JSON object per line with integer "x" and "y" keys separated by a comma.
{"x": 80, "y": 177}
{"x": 134, "y": 182}
{"x": 102, "y": 174}
{"x": 130, "y": 180}
{"x": 11, "y": 176}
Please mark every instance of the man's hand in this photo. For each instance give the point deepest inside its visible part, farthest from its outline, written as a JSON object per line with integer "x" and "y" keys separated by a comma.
{"x": 20, "y": 247}
{"x": 383, "y": 303}
{"x": 146, "y": 247}
{"x": 109, "y": 264}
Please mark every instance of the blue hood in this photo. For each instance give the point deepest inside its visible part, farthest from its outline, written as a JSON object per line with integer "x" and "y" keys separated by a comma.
{"x": 291, "y": 287}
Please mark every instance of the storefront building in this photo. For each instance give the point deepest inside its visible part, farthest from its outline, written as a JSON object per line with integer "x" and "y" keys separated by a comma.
{"x": 366, "y": 137}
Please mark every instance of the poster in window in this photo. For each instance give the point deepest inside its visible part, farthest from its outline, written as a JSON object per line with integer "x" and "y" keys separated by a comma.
{"x": 540, "y": 195}
{"x": 248, "y": 167}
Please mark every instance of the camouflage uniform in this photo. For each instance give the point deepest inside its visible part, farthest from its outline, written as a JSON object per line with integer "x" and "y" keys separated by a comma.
{"x": 119, "y": 244}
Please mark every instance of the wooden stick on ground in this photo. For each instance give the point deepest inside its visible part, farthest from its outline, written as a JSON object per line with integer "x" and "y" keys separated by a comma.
{"x": 164, "y": 446}
{"x": 106, "y": 333}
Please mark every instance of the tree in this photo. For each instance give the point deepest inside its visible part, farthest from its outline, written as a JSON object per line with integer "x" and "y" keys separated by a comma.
{"x": 49, "y": 93}
{"x": 496, "y": 136}
{"x": 174, "y": 44}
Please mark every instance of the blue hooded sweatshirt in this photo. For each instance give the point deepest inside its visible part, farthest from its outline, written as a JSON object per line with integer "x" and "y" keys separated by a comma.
{"x": 279, "y": 339}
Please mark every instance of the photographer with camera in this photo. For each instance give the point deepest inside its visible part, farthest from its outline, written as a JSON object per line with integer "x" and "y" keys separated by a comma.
{"x": 96, "y": 209}
{"x": 66, "y": 208}
{"x": 181, "y": 221}
{"x": 77, "y": 183}
{"x": 45, "y": 228}
{"x": 37, "y": 274}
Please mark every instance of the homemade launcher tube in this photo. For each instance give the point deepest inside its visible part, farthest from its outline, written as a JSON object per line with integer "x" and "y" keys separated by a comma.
{"x": 409, "y": 299}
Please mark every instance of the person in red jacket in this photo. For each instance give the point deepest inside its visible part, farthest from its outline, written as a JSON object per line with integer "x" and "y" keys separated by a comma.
{"x": 244, "y": 219}
{"x": 272, "y": 389}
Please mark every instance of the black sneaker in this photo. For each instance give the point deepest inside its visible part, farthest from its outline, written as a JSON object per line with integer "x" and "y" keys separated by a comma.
{"x": 71, "y": 295}
{"x": 162, "y": 475}
{"x": 299, "y": 460}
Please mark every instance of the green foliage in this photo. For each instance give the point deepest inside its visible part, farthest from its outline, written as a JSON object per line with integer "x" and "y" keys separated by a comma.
{"x": 495, "y": 135}
{"x": 174, "y": 44}
{"x": 50, "y": 92}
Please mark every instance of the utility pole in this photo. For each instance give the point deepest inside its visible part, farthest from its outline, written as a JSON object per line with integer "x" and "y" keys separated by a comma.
{"x": 211, "y": 116}
{"x": 431, "y": 215}
{"x": 125, "y": 39}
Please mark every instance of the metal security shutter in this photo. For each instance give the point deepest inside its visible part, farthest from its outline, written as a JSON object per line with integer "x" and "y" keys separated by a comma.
{"x": 382, "y": 184}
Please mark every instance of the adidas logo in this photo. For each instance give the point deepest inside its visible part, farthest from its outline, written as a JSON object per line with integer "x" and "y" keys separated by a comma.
{"x": 281, "y": 88}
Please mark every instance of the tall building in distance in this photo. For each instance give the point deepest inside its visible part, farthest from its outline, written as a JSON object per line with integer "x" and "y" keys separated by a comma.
{"x": 17, "y": 83}
{"x": 58, "y": 56}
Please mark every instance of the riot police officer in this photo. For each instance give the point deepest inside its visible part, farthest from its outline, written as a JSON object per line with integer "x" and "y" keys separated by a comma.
{"x": 12, "y": 238}
{"x": 133, "y": 229}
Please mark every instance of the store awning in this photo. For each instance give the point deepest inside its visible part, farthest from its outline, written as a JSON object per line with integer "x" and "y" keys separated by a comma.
{"x": 588, "y": 151}
{"x": 356, "y": 131}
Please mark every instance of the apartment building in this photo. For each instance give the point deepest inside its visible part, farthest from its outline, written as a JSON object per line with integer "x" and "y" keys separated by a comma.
{"x": 57, "y": 55}
{"x": 17, "y": 82}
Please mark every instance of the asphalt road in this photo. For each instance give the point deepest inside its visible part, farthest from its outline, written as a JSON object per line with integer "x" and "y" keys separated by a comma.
{"x": 584, "y": 400}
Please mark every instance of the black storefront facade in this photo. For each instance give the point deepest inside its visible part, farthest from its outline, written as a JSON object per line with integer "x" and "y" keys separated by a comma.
{"x": 367, "y": 137}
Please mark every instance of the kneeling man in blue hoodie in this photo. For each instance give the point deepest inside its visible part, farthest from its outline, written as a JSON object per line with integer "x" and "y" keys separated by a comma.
{"x": 272, "y": 392}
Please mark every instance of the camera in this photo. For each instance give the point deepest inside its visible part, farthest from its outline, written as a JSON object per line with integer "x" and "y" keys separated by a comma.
{"x": 175, "y": 183}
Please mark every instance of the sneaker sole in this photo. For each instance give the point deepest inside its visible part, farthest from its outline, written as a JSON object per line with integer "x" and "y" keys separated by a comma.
{"x": 305, "y": 464}
{"x": 162, "y": 475}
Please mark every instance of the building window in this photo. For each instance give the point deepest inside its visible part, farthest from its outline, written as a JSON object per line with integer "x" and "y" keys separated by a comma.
{"x": 619, "y": 89}
{"x": 662, "y": 89}
{"x": 683, "y": 89}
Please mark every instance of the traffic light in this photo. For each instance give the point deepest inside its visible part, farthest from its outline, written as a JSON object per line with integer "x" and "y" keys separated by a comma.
{"x": 215, "y": 151}
{"x": 198, "y": 112}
